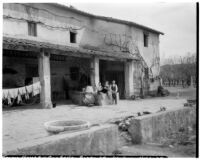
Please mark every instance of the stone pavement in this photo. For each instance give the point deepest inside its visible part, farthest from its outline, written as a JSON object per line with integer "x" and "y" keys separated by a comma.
{"x": 23, "y": 125}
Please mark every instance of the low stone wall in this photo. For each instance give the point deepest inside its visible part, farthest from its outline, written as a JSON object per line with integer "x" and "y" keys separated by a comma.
{"x": 98, "y": 140}
{"x": 155, "y": 127}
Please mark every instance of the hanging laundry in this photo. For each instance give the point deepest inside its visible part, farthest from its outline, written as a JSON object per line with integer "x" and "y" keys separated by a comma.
{"x": 9, "y": 100}
{"x": 27, "y": 95}
{"x": 13, "y": 93}
{"x": 36, "y": 88}
{"x": 19, "y": 98}
{"x": 22, "y": 90}
{"x": 29, "y": 88}
{"x": 5, "y": 94}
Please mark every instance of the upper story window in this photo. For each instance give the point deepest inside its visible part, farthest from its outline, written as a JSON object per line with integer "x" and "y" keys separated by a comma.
{"x": 32, "y": 29}
{"x": 146, "y": 37}
{"x": 73, "y": 37}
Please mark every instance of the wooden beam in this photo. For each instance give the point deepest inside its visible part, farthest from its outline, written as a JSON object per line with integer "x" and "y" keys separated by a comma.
{"x": 111, "y": 59}
{"x": 67, "y": 53}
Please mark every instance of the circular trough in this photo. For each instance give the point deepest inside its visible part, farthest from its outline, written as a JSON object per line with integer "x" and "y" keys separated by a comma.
{"x": 66, "y": 125}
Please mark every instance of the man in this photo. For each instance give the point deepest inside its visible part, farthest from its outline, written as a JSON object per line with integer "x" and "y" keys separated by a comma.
{"x": 114, "y": 90}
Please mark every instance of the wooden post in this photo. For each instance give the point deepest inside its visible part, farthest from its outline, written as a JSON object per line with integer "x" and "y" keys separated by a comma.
{"x": 45, "y": 79}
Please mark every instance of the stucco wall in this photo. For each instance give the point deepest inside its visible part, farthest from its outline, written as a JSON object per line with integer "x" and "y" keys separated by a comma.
{"x": 91, "y": 33}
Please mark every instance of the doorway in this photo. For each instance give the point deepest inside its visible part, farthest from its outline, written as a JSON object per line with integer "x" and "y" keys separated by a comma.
{"x": 113, "y": 70}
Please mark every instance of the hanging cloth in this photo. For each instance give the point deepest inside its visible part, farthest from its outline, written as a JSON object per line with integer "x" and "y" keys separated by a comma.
{"x": 19, "y": 98}
{"x": 22, "y": 91}
{"x": 26, "y": 94}
{"x": 9, "y": 100}
{"x": 29, "y": 88}
{"x": 13, "y": 93}
{"x": 36, "y": 88}
{"x": 5, "y": 94}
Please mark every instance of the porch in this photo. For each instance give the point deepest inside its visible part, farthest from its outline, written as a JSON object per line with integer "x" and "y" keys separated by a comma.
{"x": 60, "y": 69}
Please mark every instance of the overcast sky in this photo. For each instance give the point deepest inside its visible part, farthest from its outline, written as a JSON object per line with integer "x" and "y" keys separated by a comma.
{"x": 176, "y": 20}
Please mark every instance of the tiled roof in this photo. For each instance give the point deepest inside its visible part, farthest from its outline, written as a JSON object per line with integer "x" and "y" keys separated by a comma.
{"x": 10, "y": 41}
{"x": 110, "y": 19}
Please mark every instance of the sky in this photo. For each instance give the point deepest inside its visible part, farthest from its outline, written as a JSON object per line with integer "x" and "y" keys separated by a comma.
{"x": 176, "y": 20}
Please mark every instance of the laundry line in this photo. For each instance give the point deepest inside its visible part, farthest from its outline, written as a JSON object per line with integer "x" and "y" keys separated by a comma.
{"x": 13, "y": 93}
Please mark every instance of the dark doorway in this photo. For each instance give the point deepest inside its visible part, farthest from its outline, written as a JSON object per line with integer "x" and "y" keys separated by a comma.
{"x": 113, "y": 70}
{"x": 118, "y": 76}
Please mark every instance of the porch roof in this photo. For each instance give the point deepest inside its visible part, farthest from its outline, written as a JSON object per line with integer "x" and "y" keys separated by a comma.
{"x": 33, "y": 45}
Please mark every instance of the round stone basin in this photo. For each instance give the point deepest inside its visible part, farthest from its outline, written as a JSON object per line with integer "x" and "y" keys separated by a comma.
{"x": 66, "y": 125}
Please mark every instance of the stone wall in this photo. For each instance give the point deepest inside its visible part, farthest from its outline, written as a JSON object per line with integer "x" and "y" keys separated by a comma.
{"x": 154, "y": 127}
{"x": 99, "y": 140}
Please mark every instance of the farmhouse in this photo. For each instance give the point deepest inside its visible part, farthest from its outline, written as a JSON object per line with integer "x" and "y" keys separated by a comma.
{"x": 66, "y": 49}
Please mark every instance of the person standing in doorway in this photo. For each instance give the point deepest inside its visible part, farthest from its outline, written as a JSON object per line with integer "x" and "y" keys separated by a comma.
{"x": 114, "y": 90}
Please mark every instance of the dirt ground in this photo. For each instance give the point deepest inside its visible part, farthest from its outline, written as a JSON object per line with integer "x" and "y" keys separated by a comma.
{"x": 27, "y": 123}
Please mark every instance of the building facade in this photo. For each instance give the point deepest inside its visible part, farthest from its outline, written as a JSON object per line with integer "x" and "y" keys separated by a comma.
{"x": 68, "y": 49}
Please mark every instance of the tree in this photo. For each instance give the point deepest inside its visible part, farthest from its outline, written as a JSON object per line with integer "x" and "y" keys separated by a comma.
{"x": 179, "y": 68}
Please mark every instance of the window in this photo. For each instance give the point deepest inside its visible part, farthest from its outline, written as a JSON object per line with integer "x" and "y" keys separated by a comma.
{"x": 146, "y": 39}
{"x": 72, "y": 37}
{"x": 32, "y": 29}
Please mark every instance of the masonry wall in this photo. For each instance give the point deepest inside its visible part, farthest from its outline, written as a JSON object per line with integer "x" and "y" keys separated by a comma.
{"x": 54, "y": 24}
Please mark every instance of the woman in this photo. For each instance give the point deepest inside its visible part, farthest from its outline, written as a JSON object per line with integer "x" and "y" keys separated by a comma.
{"x": 99, "y": 88}
{"x": 106, "y": 88}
